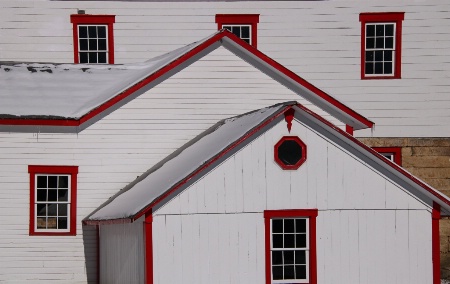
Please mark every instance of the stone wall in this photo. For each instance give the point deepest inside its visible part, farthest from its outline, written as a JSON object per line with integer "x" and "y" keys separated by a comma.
{"x": 429, "y": 160}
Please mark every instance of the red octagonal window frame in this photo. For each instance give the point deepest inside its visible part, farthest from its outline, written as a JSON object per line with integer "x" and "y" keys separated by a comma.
{"x": 297, "y": 164}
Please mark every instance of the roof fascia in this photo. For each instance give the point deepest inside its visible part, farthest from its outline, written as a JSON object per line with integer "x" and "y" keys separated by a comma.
{"x": 397, "y": 174}
{"x": 294, "y": 82}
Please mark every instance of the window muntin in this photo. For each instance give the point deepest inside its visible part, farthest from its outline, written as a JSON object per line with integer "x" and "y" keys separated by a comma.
{"x": 93, "y": 38}
{"x": 380, "y": 49}
{"x": 242, "y": 25}
{"x": 241, "y": 31}
{"x": 290, "y": 250}
{"x": 92, "y": 44}
{"x": 381, "y": 41}
{"x": 53, "y": 200}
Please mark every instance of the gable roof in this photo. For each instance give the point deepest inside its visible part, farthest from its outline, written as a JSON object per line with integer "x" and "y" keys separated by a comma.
{"x": 180, "y": 169}
{"x": 74, "y": 96}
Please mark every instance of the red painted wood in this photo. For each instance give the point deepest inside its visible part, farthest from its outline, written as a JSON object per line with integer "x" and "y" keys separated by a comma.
{"x": 83, "y": 19}
{"x": 281, "y": 163}
{"x": 69, "y": 170}
{"x": 349, "y": 129}
{"x": 312, "y": 215}
{"x": 288, "y": 117}
{"x": 240, "y": 19}
{"x": 148, "y": 237}
{"x": 436, "y": 256}
{"x": 97, "y": 228}
{"x": 389, "y": 17}
{"x": 397, "y": 151}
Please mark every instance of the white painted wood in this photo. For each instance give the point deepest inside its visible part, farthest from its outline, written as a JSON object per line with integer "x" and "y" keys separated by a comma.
{"x": 122, "y": 250}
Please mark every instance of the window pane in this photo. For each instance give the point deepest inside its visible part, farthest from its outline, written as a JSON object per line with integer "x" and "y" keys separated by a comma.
{"x": 300, "y": 257}
{"x": 51, "y": 209}
{"x": 236, "y": 31}
{"x": 289, "y": 240}
{"x": 84, "y": 57}
{"x": 300, "y": 272}
{"x": 277, "y": 272}
{"x": 63, "y": 182}
{"x": 289, "y": 225}
{"x": 62, "y": 210}
{"x": 92, "y": 57}
{"x": 102, "y": 57}
{"x": 42, "y": 181}
{"x": 370, "y": 42}
{"x": 84, "y": 44}
{"x": 62, "y": 223}
{"x": 41, "y": 210}
{"x": 388, "y": 55}
{"x": 289, "y": 272}
{"x": 63, "y": 195}
{"x": 370, "y": 30}
{"x": 369, "y": 68}
{"x": 52, "y": 182}
{"x": 387, "y": 68}
{"x": 41, "y": 195}
{"x": 300, "y": 225}
{"x": 92, "y": 30}
{"x": 379, "y": 43}
{"x": 277, "y": 226}
{"x": 277, "y": 240}
{"x": 389, "y": 30}
{"x": 52, "y": 195}
{"x": 92, "y": 44}
{"x": 288, "y": 257}
{"x": 102, "y": 44}
{"x": 41, "y": 223}
{"x": 245, "y": 32}
{"x": 226, "y": 27}
{"x": 277, "y": 257}
{"x": 379, "y": 68}
{"x": 101, "y": 32}
{"x": 82, "y": 32}
{"x": 379, "y": 55}
{"x": 389, "y": 42}
{"x": 300, "y": 240}
{"x": 51, "y": 223}
{"x": 380, "y": 30}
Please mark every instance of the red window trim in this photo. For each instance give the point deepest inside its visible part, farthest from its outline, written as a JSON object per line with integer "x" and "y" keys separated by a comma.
{"x": 389, "y": 17}
{"x": 240, "y": 19}
{"x": 435, "y": 243}
{"x": 397, "y": 151}
{"x": 309, "y": 213}
{"x": 148, "y": 237}
{"x": 69, "y": 170}
{"x": 300, "y": 162}
{"x": 83, "y": 19}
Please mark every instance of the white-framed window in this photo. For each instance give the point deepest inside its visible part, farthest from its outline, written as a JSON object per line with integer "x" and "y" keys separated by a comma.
{"x": 380, "y": 49}
{"x": 290, "y": 250}
{"x": 53, "y": 200}
{"x": 241, "y": 31}
{"x": 93, "y": 43}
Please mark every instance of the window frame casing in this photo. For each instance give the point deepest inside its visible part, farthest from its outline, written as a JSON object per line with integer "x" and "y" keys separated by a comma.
{"x": 251, "y": 20}
{"x": 72, "y": 171}
{"x": 383, "y": 18}
{"x": 300, "y": 162}
{"x": 311, "y": 215}
{"x": 93, "y": 20}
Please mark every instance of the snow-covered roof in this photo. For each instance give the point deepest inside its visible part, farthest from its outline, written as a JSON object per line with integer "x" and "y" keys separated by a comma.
{"x": 196, "y": 158}
{"x": 77, "y": 95}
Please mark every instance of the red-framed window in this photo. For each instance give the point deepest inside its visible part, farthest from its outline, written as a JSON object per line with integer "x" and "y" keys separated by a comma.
{"x": 290, "y": 152}
{"x": 393, "y": 154}
{"x": 93, "y": 38}
{"x": 381, "y": 45}
{"x": 290, "y": 244}
{"x": 53, "y": 200}
{"x": 245, "y": 26}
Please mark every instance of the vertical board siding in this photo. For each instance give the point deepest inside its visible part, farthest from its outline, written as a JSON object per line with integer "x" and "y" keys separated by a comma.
{"x": 122, "y": 253}
{"x": 322, "y": 47}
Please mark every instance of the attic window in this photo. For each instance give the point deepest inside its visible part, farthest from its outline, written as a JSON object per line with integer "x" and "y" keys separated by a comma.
{"x": 290, "y": 153}
{"x": 93, "y": 38}
{"x": 243, "y": 26}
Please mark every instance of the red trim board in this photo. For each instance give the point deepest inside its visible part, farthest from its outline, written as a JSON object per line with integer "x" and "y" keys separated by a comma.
{"x": 435, "y": 243}
{"x": 148, "y": 237}
{"x": 240, "y": 19}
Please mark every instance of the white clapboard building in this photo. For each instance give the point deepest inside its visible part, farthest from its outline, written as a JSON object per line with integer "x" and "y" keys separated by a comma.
{"x": 223, "y": 142}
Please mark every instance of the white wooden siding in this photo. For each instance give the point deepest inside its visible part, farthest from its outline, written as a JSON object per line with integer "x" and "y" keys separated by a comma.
{"x": 319, "y": 45}
{"x": 353, "y": 246}
{"x": 122, "y": 250}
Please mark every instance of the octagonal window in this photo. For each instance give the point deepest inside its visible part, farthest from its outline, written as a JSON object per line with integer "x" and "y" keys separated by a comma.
{"x": 290, "y": 153}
